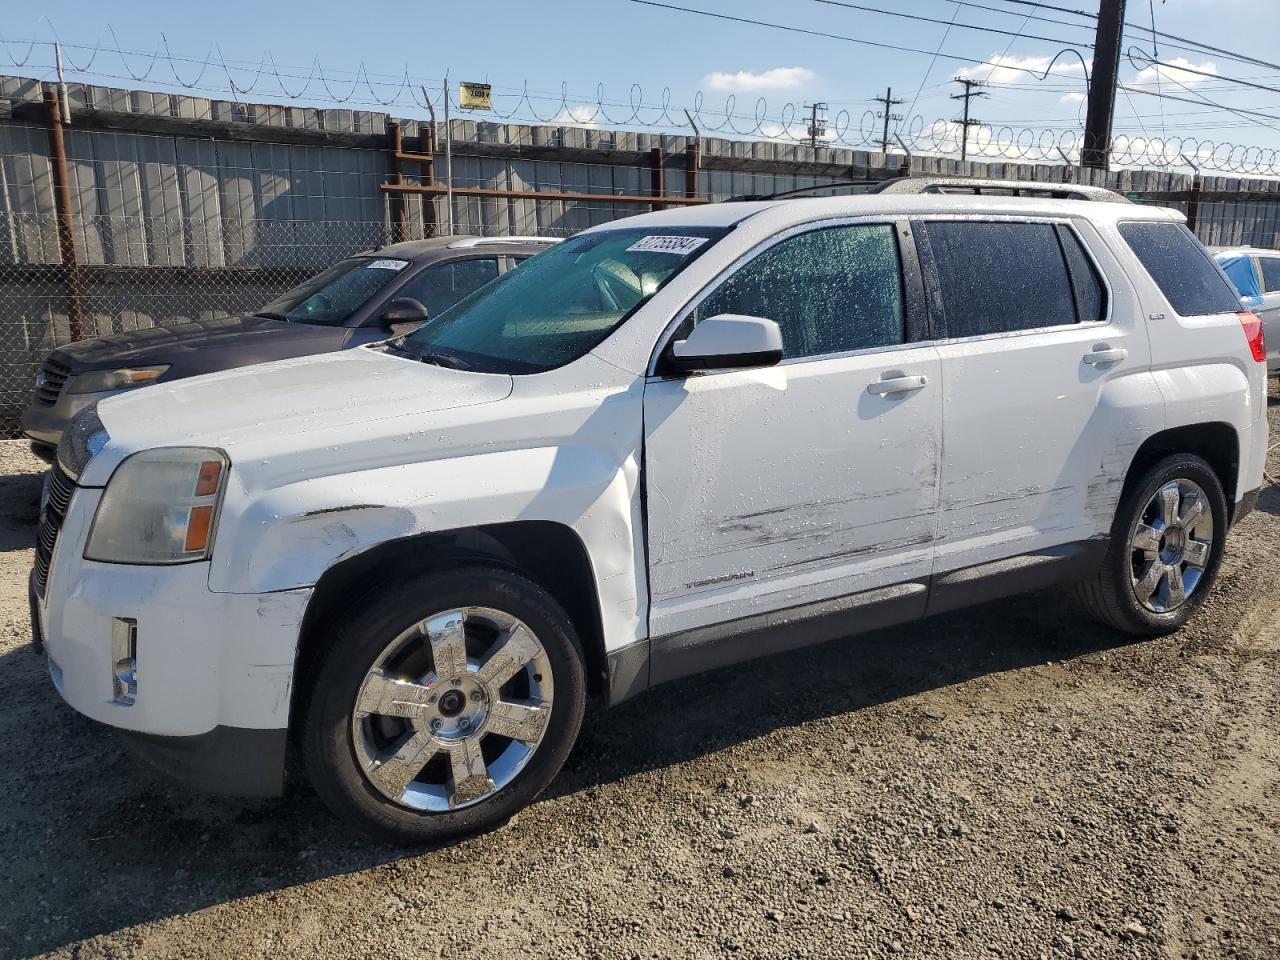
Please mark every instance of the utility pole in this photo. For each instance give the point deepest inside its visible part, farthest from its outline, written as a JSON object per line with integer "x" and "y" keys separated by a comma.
{"x": 970, "y": 91}
{"x": 1102, "y": 85}
{"x": 889, "y": 104}
{"x": 817, "y": 124}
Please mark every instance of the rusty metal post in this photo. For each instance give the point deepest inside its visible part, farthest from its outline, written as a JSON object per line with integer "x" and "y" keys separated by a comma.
{"x": 66, "y": 220}
{"x": 692, "y": 160}
{"x": 428, "y": 148}
{"x": 657, "y": 185}
{"x": 399, "y": 215}
{"x": 1193, "y": 201}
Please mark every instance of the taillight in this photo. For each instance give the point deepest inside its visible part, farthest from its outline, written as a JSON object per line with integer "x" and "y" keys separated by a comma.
{"x": 1253, "y": 333}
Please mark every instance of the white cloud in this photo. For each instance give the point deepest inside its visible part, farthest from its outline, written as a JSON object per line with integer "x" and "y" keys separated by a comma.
{"x": 1008, "y": 69}
{"x": 579, "y": 115}
{"x": 745, "y": 81}
{"x": 1150, "y": 75}
{"x": 1072, "y": 98}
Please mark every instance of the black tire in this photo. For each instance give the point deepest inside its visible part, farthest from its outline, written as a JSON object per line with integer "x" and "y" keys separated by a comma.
{"x": 355, "y": 643}
{"x": 1110, "y": 596}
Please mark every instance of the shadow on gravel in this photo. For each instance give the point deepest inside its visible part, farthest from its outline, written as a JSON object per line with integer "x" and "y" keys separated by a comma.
{"x": 94, "y": 842}
{"x": 19, "y": 510}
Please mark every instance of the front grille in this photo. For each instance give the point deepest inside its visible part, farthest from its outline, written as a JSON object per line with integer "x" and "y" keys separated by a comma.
{"x": 53, "y": 377}
{"x": 52, "y": 514}
{"x": 49, "y": 384}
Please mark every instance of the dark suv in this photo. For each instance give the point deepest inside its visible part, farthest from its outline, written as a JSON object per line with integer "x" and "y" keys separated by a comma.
{"x": 363, "y": 299}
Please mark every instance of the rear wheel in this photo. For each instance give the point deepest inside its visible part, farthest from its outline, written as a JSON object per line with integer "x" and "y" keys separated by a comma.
{"x": 1166, "y": 545}
{"x": 444, "y": 706}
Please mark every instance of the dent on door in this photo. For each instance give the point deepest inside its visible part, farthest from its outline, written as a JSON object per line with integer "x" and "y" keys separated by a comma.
{"x": 770, "y": 489}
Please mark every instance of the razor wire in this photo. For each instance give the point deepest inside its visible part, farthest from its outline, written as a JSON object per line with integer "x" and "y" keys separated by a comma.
{"x": 733, "y": 118}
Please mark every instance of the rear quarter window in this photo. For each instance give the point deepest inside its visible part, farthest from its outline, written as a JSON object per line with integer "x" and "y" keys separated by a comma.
{"x": 1270, "y": 274}
{"x": 1181, "y": 268}
{"x": 999, "y": 277}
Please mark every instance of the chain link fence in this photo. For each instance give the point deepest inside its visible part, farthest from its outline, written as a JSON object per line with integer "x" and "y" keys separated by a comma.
{"x": 138, "y": 272}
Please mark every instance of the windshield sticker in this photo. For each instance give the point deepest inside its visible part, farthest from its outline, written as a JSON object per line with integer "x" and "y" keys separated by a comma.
{"x": 680, "y": 246}
{"x": 388, "y": 264}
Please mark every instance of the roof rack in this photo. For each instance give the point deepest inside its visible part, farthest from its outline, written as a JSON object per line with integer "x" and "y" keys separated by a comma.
{"x": 466, "y": 242}
{"x": 854, "y": 186}
{"x": 955, "y": 185}
{"x": 999, "y": 188}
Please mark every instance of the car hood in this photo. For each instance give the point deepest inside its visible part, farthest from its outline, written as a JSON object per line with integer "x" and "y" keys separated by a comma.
{"x": 202, "y": 346}
{"x": 351, "y": 400}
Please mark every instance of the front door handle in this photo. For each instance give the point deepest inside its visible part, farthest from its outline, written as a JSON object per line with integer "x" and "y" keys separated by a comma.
{"x": 1104, "y": 356}
{"x": 891, "y": 385}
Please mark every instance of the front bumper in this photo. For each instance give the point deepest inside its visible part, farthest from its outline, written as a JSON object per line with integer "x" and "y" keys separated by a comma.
{"x": 44, "y": 424}
{"x": 213, "y": 671}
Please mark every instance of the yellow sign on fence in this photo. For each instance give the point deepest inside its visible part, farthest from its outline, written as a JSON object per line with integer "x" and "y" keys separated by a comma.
{"x": 475, "y": 96}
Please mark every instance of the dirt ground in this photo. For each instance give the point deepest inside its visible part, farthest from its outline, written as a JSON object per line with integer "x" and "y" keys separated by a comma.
{"x": 1011, "y": 781}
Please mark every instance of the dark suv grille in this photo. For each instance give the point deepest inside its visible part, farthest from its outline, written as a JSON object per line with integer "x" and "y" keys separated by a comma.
{"x": 53, "y": 378}
{"x": 51, "y": 517}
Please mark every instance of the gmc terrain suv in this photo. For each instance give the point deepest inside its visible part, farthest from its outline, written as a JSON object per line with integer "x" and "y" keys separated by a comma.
{"x": 669, "y": 443}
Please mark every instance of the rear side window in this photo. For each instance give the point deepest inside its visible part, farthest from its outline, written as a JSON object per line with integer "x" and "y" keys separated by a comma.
{"x": 1000, "y": 277}
{"x": 830, "y": 290}
{"x": 1086, "y": 285}
{"x": 1181, "y": 268}
{"x": 1270, "y": 274}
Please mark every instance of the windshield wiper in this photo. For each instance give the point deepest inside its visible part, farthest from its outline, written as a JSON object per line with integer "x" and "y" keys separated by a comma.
{"x": 450, "y": 361}
{"x": 439, "y": 358}
{"x": 270, "y": 315}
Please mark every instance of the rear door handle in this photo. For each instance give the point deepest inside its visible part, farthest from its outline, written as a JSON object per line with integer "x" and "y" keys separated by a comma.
{"x": 1100, "y": 358}
{"x": 891, "y": 385}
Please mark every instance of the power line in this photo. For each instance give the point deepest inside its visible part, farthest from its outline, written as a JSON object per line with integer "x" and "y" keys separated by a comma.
{"x": 962, "y": 26}
{"x": 1050, "y": 6}
{"x": 932, "y": 61}
{"x": 1201, "y": 102}
{"x": 1150, "y": 62}
{"x": 1185, "y": 44}
{"x": 974, "y": 61}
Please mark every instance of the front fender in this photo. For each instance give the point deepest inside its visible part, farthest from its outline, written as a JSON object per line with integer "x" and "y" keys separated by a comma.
{"x": 288, "y": 536}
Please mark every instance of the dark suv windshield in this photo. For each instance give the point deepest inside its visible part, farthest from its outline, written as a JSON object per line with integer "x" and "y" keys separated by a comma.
{"x": 562, "y": 302}
{"x": 333, "y": 295}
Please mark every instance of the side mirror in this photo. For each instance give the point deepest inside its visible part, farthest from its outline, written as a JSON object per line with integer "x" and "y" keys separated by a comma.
{"x": 404, "y": 315}
{"x": 726, "y": 341}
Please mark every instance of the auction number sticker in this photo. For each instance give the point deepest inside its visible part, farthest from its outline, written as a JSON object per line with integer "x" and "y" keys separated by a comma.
{"x": 680, "y": 246}
{"x": 388, "y": 264}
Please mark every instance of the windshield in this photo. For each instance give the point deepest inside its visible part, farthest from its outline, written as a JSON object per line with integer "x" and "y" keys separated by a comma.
{"x": 561, "y": 303}
{"x": 331, "y": 296}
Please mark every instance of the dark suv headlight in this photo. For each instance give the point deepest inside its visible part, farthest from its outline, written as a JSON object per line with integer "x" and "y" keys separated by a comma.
{"x": 83, "y": 439}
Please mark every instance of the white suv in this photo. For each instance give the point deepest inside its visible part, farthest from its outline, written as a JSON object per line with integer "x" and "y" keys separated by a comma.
{"x": 671, "y": 442}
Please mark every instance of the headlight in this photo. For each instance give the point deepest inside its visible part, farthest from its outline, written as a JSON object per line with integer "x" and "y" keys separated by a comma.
{"x": 82, "y": 440}
{"x": 100, "y": 381}
{"x": 160, "y": 506}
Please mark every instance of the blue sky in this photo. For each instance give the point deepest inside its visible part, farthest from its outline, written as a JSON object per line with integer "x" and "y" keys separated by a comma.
{"x": 582, "y": 44}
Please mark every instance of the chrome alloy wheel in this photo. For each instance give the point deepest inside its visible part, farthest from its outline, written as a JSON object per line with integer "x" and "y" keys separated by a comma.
{"x": 1171, "y": 545}
{"x": 452, "y": 709}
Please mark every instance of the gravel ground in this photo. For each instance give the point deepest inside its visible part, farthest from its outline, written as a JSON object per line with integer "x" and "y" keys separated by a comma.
{"x": 1009, "y": 781}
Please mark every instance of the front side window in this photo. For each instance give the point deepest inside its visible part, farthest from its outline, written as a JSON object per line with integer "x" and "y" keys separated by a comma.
{"x": 1270, "y": 274}
{"x": 333, "y": 295}
{"x": 561, "y": 303}
{"x": 1181, "y": 268}
{"x": 440, "y": 286}
{"x": 829, "y": 290}
{"x": 999, "y": 277}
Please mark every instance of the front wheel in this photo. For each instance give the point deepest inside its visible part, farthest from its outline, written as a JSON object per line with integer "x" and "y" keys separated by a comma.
{"x": 444, "y": 705}
{"x": 1166, "y": 545}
